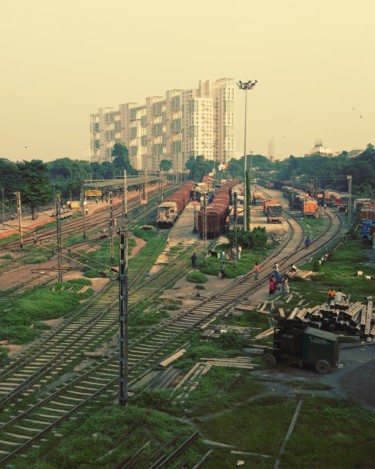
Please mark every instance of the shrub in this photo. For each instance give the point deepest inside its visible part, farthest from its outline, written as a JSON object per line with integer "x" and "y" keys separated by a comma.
{"x": 196, "y": 277}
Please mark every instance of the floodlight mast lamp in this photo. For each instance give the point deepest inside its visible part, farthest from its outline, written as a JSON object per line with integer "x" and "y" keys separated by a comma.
{"x": 247, "y": 85}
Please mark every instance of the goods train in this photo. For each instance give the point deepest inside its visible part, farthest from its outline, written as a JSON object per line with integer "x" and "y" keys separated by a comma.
{"x": 310, "y": 208}
{"x": 273, "y": 211}
{"x": 217, "y": 211}
{"x": 173, "y": 205}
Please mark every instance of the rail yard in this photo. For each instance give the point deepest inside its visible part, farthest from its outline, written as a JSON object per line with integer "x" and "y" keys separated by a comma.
{"x": 72, "y": 368}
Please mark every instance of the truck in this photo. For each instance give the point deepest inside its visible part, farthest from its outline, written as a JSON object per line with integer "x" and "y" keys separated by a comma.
{"x": 300, "y": 344}
{"x": 273, "y": 211}
{"x": 367, "y": 230}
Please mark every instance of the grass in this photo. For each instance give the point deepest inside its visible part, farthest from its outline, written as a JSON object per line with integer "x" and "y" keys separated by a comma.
{"x": 99, "y": 441}
{"x": 328, "y": 433}
{"x": 20, "y": 319}
{"x": 211, "y": 265}
{"x": 196, "y": 277}
{"x": 339, "y": 272}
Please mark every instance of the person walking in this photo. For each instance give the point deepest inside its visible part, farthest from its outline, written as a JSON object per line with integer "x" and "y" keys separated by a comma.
{"x": 307, "y": 242}
{"x": 239, "y": 252}
{"x": 193, "y": 260}
{"x": 256, "y": 271}
{"x": 222, "y": 271}
{"x": 272, "y": 286}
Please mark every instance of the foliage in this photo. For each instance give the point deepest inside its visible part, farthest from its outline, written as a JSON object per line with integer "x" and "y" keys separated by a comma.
{"x": 18, "y": 319}
{"x": 165, "y": 165}
{"x": 231, "y": 340}
{"x": 3, "y": 355}
{"x": 196, "y": 277}
{"x": 256, "y": 239}
{"x": 199, "y": 167}
{"x": 67, "y": 176}
{"x": 109, "y": 434}
{"x": 9, "y": 181}
{"x": 121, "y": 161}
{"x": 36, "y": 189}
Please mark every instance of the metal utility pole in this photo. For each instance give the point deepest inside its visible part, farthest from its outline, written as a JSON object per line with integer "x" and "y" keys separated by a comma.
{"x": 235, "y": 228}
{"x": 111, "y": 224}
{"x": 3, "y": 206}
{"x": 350, "y": 202}
{"x": 19, "y": 213}
{"x": 248, "y": 85}
{"x": 83, "y": 211}
{"x": 205, "y": 219}
{"x": 123, "y": 306}
{"x": 195, "y": 211}
{"x": 58, "y": 239}
{"x": 312, "y": 188}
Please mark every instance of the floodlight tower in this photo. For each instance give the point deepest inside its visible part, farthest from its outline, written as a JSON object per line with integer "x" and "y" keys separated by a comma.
{"x": 247, "y": 85}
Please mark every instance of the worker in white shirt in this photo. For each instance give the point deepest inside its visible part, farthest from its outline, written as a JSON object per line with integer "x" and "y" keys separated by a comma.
{"x": 340, "y": 296}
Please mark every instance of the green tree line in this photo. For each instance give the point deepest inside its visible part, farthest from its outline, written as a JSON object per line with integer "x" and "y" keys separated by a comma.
{"x": 38, "y": 181}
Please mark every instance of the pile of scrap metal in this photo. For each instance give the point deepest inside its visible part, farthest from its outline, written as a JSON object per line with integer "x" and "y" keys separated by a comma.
{"x": 355, "y": 318}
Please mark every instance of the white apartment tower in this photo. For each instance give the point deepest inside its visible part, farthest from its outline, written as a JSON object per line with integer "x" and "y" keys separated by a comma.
{"x": 183, "y": 124}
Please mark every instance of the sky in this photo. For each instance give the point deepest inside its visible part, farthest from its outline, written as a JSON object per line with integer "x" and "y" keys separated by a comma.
{"x": 62, "y": 60}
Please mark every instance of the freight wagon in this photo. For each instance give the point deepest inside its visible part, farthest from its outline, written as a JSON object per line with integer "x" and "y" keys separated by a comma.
{"x": 173, "y": 205}
{"x": 217, "y": 212}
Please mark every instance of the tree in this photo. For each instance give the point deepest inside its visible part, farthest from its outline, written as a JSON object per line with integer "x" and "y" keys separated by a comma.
{"x": 199, "y": 167}
{"x": 9, "y": 177}
{"x": 165, "y": 165}
{"x": 121, "y": 161}
{"x": 68, "y": 175}
{"x": 235, "y": 168}
{"x": 35, "y": 186}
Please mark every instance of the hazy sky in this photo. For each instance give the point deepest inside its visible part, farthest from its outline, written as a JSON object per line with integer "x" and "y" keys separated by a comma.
{"x": 61, "y": 60}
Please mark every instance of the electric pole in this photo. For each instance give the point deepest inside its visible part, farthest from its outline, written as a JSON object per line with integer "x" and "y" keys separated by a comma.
{"x": 58, "y": 239}
{"x": 235, "y": 228}
{"x": 123, "y": 303}
{"x": 111, "y": 228}
{"x": 83, "y": 211}
{"x": 19, "y": 213}
{"x": 205, "y": 219}
{"x": 350, "y": 201}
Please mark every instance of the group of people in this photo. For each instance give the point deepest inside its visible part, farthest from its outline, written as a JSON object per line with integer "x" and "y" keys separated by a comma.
{"x": 276, "y": 281}
{"x": 230, "y": 255}
{"x": 335, "y": 296}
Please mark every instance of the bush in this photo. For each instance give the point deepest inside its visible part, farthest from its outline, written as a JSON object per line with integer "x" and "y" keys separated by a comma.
{"x": 196, "y": 277}
{"x": 256, "y": 239}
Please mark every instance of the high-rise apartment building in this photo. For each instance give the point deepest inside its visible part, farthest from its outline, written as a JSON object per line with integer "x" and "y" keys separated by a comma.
{"x": 182, "y": 124}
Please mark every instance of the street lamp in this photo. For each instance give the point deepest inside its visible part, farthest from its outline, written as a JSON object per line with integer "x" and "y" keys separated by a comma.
{"x": 247, "y": 85}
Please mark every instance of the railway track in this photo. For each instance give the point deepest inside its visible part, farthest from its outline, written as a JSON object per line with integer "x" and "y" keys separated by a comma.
{"x": 93, "y": 224}
{"x": 70, "y": 253}
{"x": 38, "y": 417}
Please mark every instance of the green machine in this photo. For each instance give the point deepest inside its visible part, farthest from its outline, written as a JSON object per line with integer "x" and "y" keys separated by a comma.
{"x": 300, "y": 344}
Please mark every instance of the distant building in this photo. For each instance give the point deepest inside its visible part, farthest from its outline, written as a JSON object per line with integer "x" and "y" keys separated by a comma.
{"x": 319, "y": 149}
{"x": 182, "y": 124}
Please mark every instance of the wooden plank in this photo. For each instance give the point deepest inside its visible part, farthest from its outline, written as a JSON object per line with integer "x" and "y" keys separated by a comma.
{"x": 173, "y": 357}
{"x": 363, "y": 316}
{"x": 264, "y": 334}
{"x": 293, "y": 313}
{"x": 281, "y": 312}
{"x": 368, "y": 317}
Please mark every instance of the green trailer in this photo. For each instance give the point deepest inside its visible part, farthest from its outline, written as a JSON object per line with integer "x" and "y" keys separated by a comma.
{"x": 300, "y": 344}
